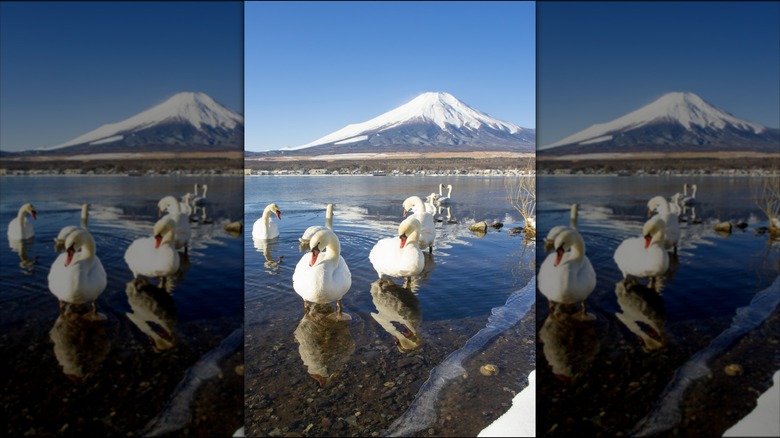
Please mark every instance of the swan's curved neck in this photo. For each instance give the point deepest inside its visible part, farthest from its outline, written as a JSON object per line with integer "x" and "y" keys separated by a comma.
{"x": 449, "y": 191}
{"x": 267, "y": 214}
{"x": 412, "y": 238}
{"x": 196, "y": 190}
{"x": 573, "y": 216}
{"x": 441, "y": 188}
{"x": 205, "y": 190}
{"x": 84, "y": 215}
{"x": 693, "y": 193}
{"x": 20, "y": 215}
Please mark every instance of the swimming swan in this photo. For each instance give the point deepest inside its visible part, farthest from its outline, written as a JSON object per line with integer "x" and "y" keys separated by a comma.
{"x": 644, "y": 256}
{"x": 400, "y": 256}
{"x": 264, "y": 228}
{"x": 323, "y": 276}
{"x": 182, "y": 221}
{"x": 77, "y": 275}
{"x": 19, "y": 228}
{"x": 427, "y": 227}
{"x": 155, "y": 256}
{"x": 671, "y": 221}
{"x": 445, "y": 199}
{"x": 567, "y": 275}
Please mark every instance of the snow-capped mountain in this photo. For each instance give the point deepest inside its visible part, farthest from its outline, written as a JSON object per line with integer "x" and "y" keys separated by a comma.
{"x": 429, "y": 122}
{"x": 675, "y": 122}
{"x": 185, "y": 122}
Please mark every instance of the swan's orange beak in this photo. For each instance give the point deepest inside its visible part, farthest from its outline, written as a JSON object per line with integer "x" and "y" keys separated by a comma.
{"x": 403, "y": 240}
{"x": 69, "y": 258}
{"x": 404, "y": 212}
{"x": 649, "y": 212}
{"x": 648, "y": 238}
{"x": 34, "y": 214}
{"x": 159, "y": 212}
{"x": 157, "y": 241}
{"x": 314, "y": 253}
{"x": 558, "y": 256}
{"x": 279, "y": 215}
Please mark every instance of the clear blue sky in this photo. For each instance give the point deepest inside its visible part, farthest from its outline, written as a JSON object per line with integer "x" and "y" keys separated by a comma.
{"x": 313, "y": 68}
{"x": 67, "y": 68}
{"x": 599, "y": 61}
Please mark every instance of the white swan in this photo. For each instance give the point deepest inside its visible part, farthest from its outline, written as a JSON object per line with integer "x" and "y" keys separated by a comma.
{"x": 445, "y": 199}
{"x": 427, "y": 227}
{"x": 549, "y": 241}
{"x": 182, "y": 221}
{"x": 155, "y": 256}
{"x": 567, "y": 275}
{"x": 430, "y": 203}
{"x": 200, "y": 200}
{"x": 311, "y": 231}
{"x": 401, "y": 256}
{"x": 19, "y": 228}
{"x": 690, "y": 200}
{"x": 323, "y": 276}
{"x": 671, "y": 221}
{"x": 644, "y": 256}
{"x": 59, "y": 241}
{"x": 674, "y": 204}
{"x": 185, "y": 205}
{"x": 264, "y": 228}
{"x": 77, "y": 275}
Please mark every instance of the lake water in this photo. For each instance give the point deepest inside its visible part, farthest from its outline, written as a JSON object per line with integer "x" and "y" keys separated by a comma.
{"x": 118, "y": 376}
{"x": 369, "y": 381}
{"x": 602, "y": 377}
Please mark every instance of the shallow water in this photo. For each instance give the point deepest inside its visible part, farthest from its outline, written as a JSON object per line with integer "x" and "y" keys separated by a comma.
{"x": 465, "y": 278}
{"x": 622, "y": 361}
{"x": 68, "y": 375}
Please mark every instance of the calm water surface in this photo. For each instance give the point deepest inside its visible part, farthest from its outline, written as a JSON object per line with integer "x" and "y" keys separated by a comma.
{"x": 466, "y": 276}
{"x": 621, "y": 362}
{"x": 72, "y": 376}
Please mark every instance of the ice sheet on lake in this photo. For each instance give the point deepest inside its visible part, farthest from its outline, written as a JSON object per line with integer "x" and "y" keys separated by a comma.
{"x": 177, "y": 413}
{"x": 422, "y": 411}
{"x": 666, "y": 413}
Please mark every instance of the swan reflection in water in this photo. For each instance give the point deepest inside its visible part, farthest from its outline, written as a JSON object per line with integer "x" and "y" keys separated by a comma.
{"x": 398, "y": 312}
{"x": 642, "y": 312}
{"x": 80, "y": 345}
{"x": 570, "y": 345}
{"x": 325, "y": 344}
{"x": 22, "y": 248}
{"x": 153, "y": 312}
{"x": 266, "y": 247}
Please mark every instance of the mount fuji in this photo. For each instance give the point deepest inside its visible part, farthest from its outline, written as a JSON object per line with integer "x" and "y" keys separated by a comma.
{"x": 186, "y": 122}
{"x": 431, "y": 122}
{"x": 676, "y": 122}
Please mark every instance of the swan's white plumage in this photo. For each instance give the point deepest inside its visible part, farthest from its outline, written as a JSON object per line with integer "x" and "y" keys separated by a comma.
{"x": 442, "y": 200}
{"x": 322, "y": 276}
{"x": 77, "y": 275}
{"x": 20, "y": 228}
{"x": 155, "y": 256}
{"x": 401, "y": 256}
{"x": 427, "y": 227}
{"x": 644, "y": 256}
{"x": 671, "y": 221}
{"x": 182, "y": 221}
{"x": 567, "y": 276}
{"x": 264, "y": 228}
